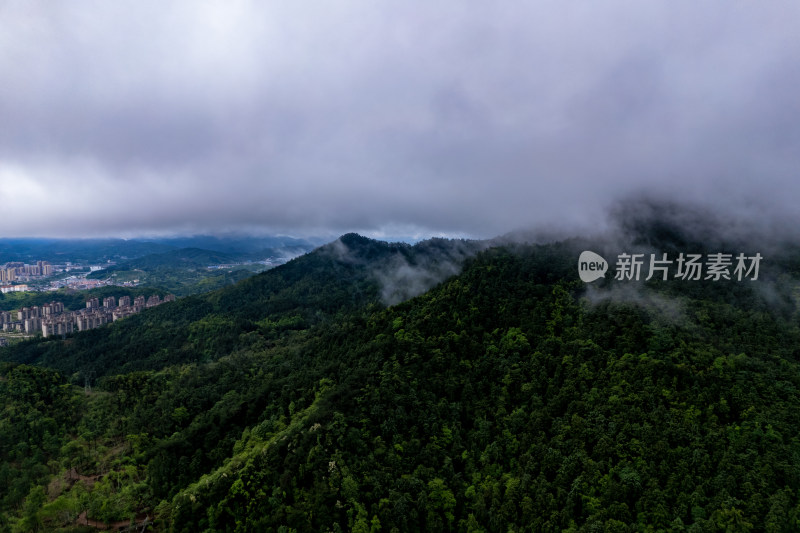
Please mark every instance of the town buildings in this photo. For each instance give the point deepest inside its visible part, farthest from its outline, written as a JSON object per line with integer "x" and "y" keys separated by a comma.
{"x": 16, "y": 270}
{"x": 52, "y": 319}
{"x": 13, "y": 288}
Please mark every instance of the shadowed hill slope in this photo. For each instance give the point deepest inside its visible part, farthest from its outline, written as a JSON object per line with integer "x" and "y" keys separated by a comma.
{"x": 510, "y": 396}
{"x": 334, "y": 279}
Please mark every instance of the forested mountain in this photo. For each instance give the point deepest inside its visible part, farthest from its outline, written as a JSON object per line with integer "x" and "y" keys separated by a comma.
{"x": 446, "y": 386}
{"x": 76, "y": 250}
{"x": 349, "y": 274}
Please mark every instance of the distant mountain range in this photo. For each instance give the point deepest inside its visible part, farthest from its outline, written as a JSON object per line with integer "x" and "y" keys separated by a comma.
{"x": 181, "y": 258}
{"x": 102, "y": 250}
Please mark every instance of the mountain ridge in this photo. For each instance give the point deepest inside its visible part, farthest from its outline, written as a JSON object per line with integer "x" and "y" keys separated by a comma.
{"x": 507, "y": 395}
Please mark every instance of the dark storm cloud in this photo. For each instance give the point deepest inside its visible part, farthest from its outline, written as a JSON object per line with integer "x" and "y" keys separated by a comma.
{"x": 451, "y": 117}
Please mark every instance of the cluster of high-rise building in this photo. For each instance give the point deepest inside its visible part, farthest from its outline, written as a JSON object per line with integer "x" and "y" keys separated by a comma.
{"x": 15, "y": 270}
{"x": 51, "y": 318}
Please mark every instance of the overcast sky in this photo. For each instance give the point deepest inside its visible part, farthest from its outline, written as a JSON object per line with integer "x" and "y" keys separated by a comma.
{"x": 393, "y": 117}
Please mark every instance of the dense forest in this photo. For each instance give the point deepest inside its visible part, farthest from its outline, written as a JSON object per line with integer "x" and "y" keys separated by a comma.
{"x": 446, "y": 386}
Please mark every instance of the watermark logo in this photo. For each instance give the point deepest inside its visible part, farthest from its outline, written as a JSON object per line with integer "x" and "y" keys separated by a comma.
{"x": 591, "y": 266}
{"x": 693, "y": 267}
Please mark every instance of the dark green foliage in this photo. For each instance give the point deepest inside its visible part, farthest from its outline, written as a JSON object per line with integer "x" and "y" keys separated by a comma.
{"x": 317, "y": 287}
{"x": 38, "y": 410}
{"x": 509, "y": 397}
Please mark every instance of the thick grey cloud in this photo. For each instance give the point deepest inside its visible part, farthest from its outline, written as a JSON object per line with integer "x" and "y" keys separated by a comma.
{"x": 429, "y": 117}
